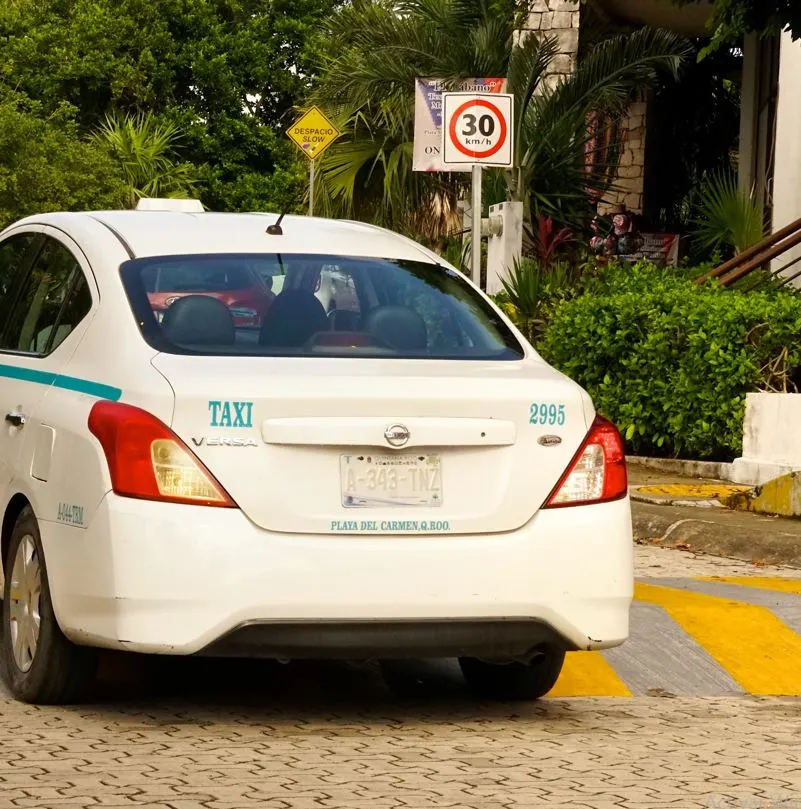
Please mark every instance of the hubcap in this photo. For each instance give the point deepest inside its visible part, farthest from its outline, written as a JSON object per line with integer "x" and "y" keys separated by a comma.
{"x": 24, "y": 619}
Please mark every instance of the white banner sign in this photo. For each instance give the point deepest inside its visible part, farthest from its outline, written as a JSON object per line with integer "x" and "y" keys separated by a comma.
{"x": 428, "y": 120}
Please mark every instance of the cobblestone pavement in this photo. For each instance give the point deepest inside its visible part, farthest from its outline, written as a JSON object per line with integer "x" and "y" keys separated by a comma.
{"x": 654, "y": 562}
{"x": 227, "y": 735}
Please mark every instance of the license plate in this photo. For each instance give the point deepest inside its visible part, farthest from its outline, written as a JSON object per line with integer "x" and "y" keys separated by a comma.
{"x": 390, "y": 480}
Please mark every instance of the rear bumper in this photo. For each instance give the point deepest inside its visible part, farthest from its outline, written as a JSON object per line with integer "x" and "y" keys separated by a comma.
{"x": 490, "y": 638}
{"x": 170, "y": 579}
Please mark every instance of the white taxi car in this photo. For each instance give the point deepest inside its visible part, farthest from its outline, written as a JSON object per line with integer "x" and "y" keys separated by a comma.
{"x": 397, "y": 474}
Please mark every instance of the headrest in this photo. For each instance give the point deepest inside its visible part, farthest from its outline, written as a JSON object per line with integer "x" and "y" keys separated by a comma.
{"x": 199, "y": 320}
{"x": 399, "y": 327}
{"x": 292, "y": 319}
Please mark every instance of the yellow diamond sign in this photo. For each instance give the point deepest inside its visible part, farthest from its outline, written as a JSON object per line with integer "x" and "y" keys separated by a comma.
{"x": 313, "y": 133}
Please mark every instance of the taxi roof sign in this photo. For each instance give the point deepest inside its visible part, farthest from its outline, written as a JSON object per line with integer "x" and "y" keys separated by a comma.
{"x": 313, "y": 133}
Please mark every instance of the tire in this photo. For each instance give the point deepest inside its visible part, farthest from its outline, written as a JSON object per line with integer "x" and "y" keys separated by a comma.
{"x": 56, "y": 671}
{"x": 514, "y": 681}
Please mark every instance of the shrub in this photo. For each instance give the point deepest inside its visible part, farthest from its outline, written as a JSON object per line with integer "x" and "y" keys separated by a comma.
{"x": 671, "y": 362}
{"x": 530, "y": 291}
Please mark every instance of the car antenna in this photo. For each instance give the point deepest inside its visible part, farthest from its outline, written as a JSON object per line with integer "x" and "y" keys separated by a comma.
{"x": 276, "y": 229}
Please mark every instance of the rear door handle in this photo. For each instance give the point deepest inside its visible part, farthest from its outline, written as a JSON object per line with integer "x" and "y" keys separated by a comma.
{"x": 15, "y": 419}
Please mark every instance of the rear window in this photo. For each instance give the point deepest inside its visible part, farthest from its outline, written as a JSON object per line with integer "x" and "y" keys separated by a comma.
{"x": 313, "y": 305}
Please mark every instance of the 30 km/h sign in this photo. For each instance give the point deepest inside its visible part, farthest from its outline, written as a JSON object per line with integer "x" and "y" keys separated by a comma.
{"x": 478, "y": 129}
{"x": 313, "y": 133}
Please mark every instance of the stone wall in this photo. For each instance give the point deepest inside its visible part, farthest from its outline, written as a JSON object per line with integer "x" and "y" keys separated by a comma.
{"x": 559, "y": 19}
{"x": 629, "y": 185}
{"x": 562, "y": 19}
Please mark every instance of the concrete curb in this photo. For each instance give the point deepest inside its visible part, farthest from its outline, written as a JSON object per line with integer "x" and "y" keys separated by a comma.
{"x": 692, "y": 469}
{"x": 637, "y": 497}
{"x": 780, "y": 497}
{"x": 719, "y": 532}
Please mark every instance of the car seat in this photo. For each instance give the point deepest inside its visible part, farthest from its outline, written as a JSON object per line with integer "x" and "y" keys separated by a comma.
{"x": 399, "y": 327}
{"x": 294, "y": 317}
{"x": 199, "y": 320}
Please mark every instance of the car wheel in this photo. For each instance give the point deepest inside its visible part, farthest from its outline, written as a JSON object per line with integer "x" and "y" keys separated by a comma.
{"x": 38, "y": 664}
{"x": 514, "y": 680}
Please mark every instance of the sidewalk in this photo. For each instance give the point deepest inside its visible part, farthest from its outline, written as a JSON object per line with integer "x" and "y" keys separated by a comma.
{"x": 686, "y": 513}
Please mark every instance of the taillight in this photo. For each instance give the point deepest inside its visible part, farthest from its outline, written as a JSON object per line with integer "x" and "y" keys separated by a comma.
{"x": 148, "y": 461}
{"x": 597, "y": 474}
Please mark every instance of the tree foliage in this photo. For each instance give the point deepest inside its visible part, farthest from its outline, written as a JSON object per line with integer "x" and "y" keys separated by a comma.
{"x": 45, "y": 165}
{"x": 229, "y": 73}
{"x": 733, "y": 18}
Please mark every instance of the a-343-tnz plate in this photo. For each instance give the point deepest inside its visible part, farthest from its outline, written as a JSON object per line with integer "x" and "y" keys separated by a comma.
{"x": 378, "y": 481}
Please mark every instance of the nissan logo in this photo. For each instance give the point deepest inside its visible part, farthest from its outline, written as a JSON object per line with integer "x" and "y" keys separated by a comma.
{"x": 397, "y": 435}
{"x": 549, "y": 441}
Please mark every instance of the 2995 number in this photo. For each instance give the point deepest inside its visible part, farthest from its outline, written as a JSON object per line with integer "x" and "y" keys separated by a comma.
{"x": 547, "y": 414}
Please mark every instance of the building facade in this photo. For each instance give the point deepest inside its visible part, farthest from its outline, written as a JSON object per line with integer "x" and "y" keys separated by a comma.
{"x": 769, "y": 142}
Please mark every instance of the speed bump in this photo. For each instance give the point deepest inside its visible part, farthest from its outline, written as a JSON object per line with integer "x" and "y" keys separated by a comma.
{"x": 694, "y": 491}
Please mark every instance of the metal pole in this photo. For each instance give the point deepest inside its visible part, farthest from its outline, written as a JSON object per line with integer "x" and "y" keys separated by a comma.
{"x": 311, "y": 188}
{"x": 475, "y": 247}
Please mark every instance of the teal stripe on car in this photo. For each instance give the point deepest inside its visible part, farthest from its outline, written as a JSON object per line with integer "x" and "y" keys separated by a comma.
{"x": 73, "y": 383}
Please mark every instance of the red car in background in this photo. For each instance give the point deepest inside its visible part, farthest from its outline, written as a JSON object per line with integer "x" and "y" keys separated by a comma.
{"x": 245, "y": 291}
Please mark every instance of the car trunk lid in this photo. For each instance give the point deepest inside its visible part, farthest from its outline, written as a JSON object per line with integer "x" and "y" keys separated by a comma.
{"x": 323, "y": 445}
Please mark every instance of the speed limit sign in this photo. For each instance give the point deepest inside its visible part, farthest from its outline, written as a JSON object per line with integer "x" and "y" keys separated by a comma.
{"x": 478, "y": 129}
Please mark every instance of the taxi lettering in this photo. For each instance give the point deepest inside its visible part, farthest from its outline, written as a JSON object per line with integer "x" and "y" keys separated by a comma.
{"x": 231, "y": 414}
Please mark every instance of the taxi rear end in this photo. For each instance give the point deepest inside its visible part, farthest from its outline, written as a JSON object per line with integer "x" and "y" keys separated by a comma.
{"x": 396, "y": 474}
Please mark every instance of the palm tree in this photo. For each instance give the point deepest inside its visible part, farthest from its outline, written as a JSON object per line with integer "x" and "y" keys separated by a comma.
{"x": 728, "y": 216}
{"x": 377, "y": 49}
{"x": 144, "y": 148}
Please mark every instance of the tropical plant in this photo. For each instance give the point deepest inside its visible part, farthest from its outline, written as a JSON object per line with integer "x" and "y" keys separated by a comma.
{"x": 728, "y": 217}
{"x": 530, "y": 290}
{"x": 367, "y": 77}
{"x": 549, "y": 239}
{"x": 144, "y": 148}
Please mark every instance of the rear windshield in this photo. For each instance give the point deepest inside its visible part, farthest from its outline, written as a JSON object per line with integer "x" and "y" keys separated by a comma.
{"x": 312, "y": 305}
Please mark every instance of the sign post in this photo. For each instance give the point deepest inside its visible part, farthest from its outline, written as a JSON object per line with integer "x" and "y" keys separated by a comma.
{"x": 477, "y": 131}
{"x": 475, "y": 244}
{"x": 313, "y": 133}
{"x": 311, "y": 188}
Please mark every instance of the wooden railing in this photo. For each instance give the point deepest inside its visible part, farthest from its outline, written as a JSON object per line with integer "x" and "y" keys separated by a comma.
{"x": 758, "y": 256}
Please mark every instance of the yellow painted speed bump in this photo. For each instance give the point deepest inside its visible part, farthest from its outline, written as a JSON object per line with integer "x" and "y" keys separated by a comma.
{"x": 694, "y": 491}
{"x": 755, "y": 647}
{"x": 790, "y": 586}
{"x": 587, "y": 674}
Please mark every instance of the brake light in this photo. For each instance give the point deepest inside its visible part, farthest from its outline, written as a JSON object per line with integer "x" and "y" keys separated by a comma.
{"x": 148, "y": 461}
{"x": 597, "y": 474}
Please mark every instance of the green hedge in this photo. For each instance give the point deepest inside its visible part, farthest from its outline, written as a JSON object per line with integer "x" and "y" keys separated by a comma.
{"x": 671, "y": 362}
